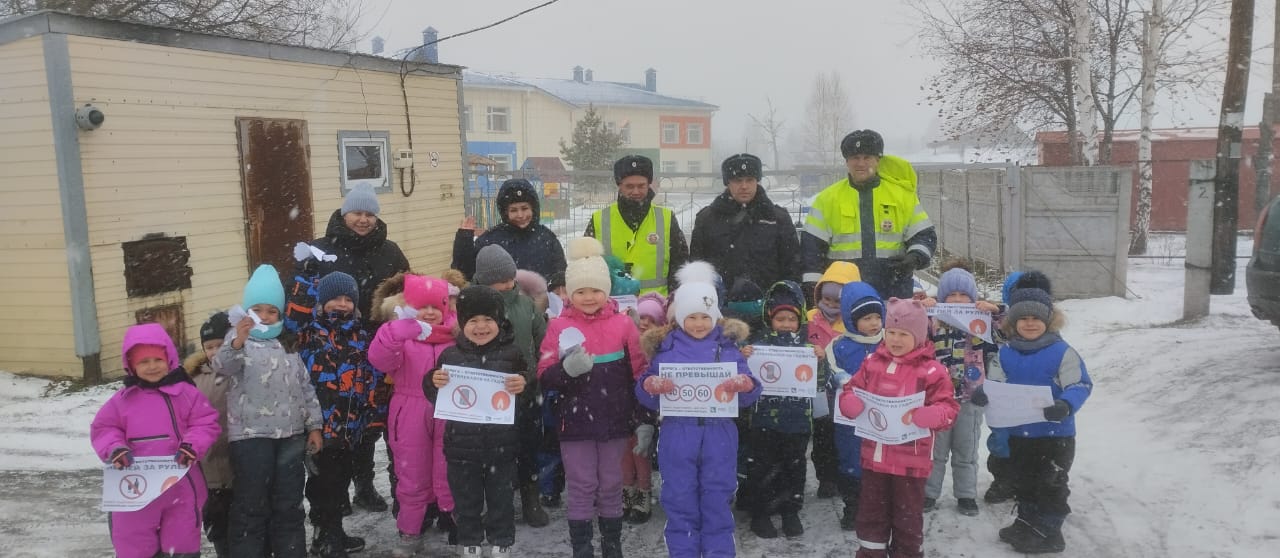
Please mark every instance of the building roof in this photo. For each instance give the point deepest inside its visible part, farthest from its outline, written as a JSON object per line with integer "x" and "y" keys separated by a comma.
{"x": 583, "y": 93}
{"x": 45, "y": 22}
{"x": 1158, "y": 134}
{"x": 548, "y": 169}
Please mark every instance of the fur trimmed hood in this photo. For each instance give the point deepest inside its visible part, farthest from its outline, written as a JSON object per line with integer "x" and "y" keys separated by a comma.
{"x": 734, "y": 329}
{"x": 387, "y": 297}
{"x": 194, "y": 363}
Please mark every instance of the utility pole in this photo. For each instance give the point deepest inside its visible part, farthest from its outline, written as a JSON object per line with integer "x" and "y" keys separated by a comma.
{"x": 1230, "y": 129}
{"x": 1266, "y": 131}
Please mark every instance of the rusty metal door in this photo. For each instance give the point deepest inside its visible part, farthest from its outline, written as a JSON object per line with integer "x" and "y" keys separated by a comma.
{"x": 275, "y": 171}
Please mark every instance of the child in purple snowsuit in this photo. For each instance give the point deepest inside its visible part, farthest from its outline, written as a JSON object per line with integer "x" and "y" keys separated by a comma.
{"x": 158, "y": 412}
{"x": 698, "y": 457}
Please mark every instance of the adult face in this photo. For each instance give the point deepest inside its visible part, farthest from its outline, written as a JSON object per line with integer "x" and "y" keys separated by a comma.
{"x": 634, "y": 188}
{"x": 360, "y": 222}
{"x": 862, "y": 167}
{"x": 520, "y": 214}
{"x": 743, "y": 189}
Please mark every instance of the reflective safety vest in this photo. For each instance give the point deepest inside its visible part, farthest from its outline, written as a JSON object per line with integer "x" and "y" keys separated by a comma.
{"x": 836, "y": 215}
{"x": 647, "y": 250}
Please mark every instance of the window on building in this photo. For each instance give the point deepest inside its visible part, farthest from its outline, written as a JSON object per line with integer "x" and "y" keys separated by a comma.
{"x": 693, "y": 134}
{"x": 611, "y": 127}
{"x": 503, "y": 161}
{"x": 626, "y": 133}
{"x": 670, "y": 132}
{"x": 364, "y": 158}
{"x": 668, "y": 167}
{"x": 695, "y": 166}
{"x": 466, "y": 118}
{"x": 499, "y": 119}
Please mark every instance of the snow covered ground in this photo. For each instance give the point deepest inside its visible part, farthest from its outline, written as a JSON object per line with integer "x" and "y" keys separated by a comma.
{"x": 1178, "y": 452}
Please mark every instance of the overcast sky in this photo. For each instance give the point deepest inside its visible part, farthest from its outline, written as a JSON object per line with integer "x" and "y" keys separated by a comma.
{"x": 729, "y": 53}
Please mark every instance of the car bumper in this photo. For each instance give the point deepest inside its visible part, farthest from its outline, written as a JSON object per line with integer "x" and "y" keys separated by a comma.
{"x": 1263, "y": 287}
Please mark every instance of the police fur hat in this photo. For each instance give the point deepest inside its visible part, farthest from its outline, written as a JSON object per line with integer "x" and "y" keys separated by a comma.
{"x": 632, "y": 165}
{"x": 741, "y": 165}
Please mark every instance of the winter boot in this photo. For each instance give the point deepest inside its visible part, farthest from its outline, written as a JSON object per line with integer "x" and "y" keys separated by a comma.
{"x": 471, "y": 552}
{"x": 407, "y": 546}
{"x": 1000, "y": 491}
{"x": 827, "y": 489}
{"x": 967, "y": 506}
{"x": 551, "y": 500}
{"x": 367, "y": 497}
{"x": 532, "y": 511}
{"x": 580, "y": 535}
{"x": 640, "y": 510}
{"x": 500, "y": 552}
{"x": 628, "y": 503}
{"x": 429, "y": 518}
{"x": 850, "y": 489}
{"x": 1040, "y": 540}
{"x": 930, "y": 504}
{"x": 762, "y": 526}
{"x": 791, "y": 525}
{"x": 611, "y": 537}
{"x": 1017, "y": 531}
{"x": 222, "y": 548}
{"x": 328, "y": 544}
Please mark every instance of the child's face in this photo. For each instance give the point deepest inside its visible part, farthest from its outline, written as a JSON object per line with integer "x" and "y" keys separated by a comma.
{"x": 785, "y": 321}
{"x": 899, "y": 341}
{"x": 151, "y": 369}
{"x": 267, "y": 313}
{"x": 697, "y": 325}
{"x": 870, "y": 324}
{"x": 919, "y": 295}
{"x": 504, "y": 286}
{"x": 211, "y": 347}
{"x": 831, "y": 301}
{"x": 480, "y": 329}
{"x": 431, "y": 315}
{"x": 646, "y": 323}
{"x": 958, "y": 298}
{"x": 1030, "y": 328}
{"x": 588, "y": 300}
{"x": 341, "y": 304}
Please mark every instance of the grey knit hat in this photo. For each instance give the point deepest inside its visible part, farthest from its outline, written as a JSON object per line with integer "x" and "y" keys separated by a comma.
{"x": 361, "y": 198}
{"x": 493, "y": 265}
{"x": 1030, "y": 302}
{"x": 335, "y": 284}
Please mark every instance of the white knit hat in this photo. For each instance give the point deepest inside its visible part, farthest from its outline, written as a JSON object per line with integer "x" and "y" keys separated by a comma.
{"x": 697, "y": 292}
{"x": 587, "y": 268}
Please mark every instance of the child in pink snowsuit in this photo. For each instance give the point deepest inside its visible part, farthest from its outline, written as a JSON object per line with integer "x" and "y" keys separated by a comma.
{"x": 158, "y": 412}
{"x": 407, "y": 350}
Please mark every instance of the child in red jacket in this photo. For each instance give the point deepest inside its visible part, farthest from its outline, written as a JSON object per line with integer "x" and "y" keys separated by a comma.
{"x": 891, "y": 506}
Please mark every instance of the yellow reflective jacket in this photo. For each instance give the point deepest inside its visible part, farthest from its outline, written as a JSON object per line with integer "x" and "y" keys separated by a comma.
{"x": 647, "y": 249}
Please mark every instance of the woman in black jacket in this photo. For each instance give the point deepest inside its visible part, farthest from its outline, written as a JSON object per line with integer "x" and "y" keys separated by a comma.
{"x": 531, "y": 244}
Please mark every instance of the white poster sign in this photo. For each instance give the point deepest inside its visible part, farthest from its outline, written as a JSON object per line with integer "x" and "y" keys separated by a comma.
{"x": 887, "y": 419}
{"x": 477, "y": 396}
{"x": 964, "y": 316}
{"x": 1015, "y": 404}
{"x": 626, "y": 302}
{"x": 132, "y": 488}
{"x": 785, "y": 371}
{"x": 696, "y": 393}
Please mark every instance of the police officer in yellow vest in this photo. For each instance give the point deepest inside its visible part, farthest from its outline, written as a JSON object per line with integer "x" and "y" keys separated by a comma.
{"x": 872, "y": 218}
{"x": 644, "y": 236}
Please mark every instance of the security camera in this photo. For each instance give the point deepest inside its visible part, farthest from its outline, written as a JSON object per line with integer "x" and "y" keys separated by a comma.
{"x": 88, "y": 117}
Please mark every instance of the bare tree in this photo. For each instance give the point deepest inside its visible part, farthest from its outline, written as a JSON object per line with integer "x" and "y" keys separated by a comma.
{"x": 330, "y": 24}
{"x": 828, "y": 116}
{"x": 769, "y": 124}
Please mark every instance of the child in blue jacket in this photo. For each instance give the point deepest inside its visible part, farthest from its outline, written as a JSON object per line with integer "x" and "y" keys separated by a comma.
{"x": 863, "y": 315}
{"x": 1041, "y": 453}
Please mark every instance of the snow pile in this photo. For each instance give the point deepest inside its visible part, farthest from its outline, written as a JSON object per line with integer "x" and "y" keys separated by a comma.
{"x": 48, "y": 425}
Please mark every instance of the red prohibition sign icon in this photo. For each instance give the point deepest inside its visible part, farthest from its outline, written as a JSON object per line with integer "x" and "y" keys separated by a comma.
{"x": 133, "y": 487}
{"x": 464, "y": 397}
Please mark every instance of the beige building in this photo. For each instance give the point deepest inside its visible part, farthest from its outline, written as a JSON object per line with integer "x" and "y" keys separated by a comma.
{"x": 146, "y": 171}
{"x": 511, "y": 119}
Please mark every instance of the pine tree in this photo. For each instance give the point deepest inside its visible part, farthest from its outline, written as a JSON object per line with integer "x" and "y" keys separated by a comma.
{"x": 594, "y": 147}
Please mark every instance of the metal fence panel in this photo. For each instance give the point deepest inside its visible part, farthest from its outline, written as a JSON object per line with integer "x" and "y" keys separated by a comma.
{"x": 1076, "y": 223}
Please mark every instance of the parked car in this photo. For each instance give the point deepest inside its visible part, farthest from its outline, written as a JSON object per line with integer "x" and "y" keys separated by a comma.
{"x": 1262, "y": 277}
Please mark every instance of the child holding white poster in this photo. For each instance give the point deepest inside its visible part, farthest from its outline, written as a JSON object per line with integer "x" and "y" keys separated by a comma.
{"x": 967, "y": 358}
{"x": 158, "y": 412}
{"x": 781, "y": 425}
{"x": 481, "y": 457}
{"x": 893, "y": 476}
{"x": 697, "y": 455}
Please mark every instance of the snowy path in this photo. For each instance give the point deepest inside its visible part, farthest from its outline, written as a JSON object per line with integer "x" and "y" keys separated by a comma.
{"x": 1178, "y": 452}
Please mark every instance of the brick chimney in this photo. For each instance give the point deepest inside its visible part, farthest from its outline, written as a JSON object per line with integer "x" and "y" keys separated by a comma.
{"x": 430, "y": 51}
{"x": 378, "y": 44}
{"x": 577, "y": 74}
{"x": 651, "y": 80}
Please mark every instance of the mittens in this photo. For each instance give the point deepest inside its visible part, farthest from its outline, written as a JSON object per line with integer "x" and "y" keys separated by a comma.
{"x": 186, "y": 455}
{"x": 1058, "y": 411}
{"x": 122, "y": 458}
{"x": 404, "y": 329}
{"x": 578, "y": 362}
{"x": 738, "y": 384}
{"x": 644, "y": 439}
{"x": 657, "y": 385}
{"x": 979, "y": 397}
{"x": 851, "y": 405}
{"x": 929, "y": 417}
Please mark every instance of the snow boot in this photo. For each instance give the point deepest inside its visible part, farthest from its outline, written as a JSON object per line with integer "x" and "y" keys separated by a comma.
{"x": 500, "y": 552}
{"x": 791, "y": 525}
{"x": 580, "y": 534}
{"x": 531, "y": 510}
{"x": 1040, "y": 540}
{"x": 850, "y": 490}
{"x": 407, "y": 546}
{"x": 640, "y": 510}
{"x": 367, "y": 497}
{"x": 930, "y": 504}
{"x": 551, "y": 500}
{"x": 1016, "y": 531}
{"x": 762, "y": 526}
{"x": 967, "y": 506}
{"x": 999, "y": 492}
{"x": 827, "y": 489}
{"x": 628, "y": 503}
{"x": 429, "y": 518}
{"x": 328, "y": 544}
{"x": 611, "y": 537}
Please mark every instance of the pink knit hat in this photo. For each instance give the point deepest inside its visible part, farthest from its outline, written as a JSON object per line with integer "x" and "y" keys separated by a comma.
{"x": 421, "y": 291}
{"x": 909, "y": 316}
{"x": 653, "y": 306}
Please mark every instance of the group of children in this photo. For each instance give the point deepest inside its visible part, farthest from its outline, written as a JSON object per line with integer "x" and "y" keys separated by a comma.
{"x": 291, "y": 416}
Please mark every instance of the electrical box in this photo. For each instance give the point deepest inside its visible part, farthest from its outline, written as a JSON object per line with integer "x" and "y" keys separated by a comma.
{"x": 404, "y": 159}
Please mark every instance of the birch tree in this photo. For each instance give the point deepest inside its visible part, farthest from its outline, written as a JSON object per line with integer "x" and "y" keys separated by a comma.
{"x": 828, "y": 118}
{"x": 771, "y": 126}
